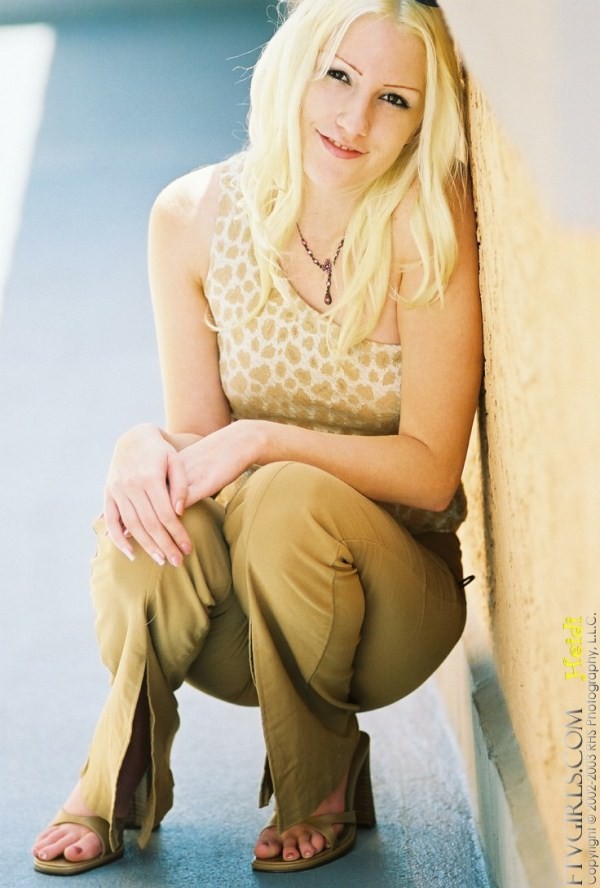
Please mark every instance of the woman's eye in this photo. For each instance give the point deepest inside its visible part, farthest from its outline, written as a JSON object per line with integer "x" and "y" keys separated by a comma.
{"x": 395, "y": 100}
{"x": 336, "y": 74}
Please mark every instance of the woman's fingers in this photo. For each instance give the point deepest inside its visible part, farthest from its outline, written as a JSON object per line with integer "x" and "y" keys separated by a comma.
{"x": 170, "y": 529}
{"x": 154, "y": 526}
{"x": 147, "y": 491}
{"x": 115, "y": 528}
{"x": 178, "y": 483}
{"x": 142, "y": 521}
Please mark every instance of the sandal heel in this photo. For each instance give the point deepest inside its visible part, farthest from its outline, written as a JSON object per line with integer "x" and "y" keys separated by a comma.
{"x": 137, "y": 806}
{"x": 363, "y": 799}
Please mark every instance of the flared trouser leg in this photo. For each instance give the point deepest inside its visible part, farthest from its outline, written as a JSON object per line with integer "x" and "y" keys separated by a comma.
{"x": 155, "y": 623}
{"x": 347, "y": 612}
{"x": 343, "y": 609}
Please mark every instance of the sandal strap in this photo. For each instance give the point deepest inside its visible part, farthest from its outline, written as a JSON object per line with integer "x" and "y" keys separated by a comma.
{"x": 317, "y": 820}
{"x": 324, "y": 824}
{"x": 97, "y": 825}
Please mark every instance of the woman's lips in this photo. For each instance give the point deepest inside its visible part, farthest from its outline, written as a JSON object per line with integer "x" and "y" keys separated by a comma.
{"x": 338, "y": 150}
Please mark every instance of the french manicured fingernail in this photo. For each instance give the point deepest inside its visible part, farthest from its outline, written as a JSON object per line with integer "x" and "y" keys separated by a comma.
{"x": 128, "y": 553}
{"x": 159, "y": 559}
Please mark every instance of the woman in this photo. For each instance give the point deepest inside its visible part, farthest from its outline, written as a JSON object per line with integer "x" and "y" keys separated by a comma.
{"x": 303, "y": 557}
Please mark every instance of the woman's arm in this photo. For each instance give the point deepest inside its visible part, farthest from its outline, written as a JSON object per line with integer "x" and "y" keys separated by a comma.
{"x": 441, "y": 376}
{"x": 180, "y": 238}
{"x": 146, "y": 489}
{"x": 441, "y": 350}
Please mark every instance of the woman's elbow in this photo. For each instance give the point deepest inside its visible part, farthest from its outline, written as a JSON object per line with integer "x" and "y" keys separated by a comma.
{"x": 440, "y": 495}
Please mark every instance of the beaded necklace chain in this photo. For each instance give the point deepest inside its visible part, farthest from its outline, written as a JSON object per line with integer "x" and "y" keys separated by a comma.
{"x": 326, "y": 266}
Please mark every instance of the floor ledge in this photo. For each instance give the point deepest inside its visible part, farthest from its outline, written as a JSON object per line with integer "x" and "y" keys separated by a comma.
{"x": 516, "y": 847}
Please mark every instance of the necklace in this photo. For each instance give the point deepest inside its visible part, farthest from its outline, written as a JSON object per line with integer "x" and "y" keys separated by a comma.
{"x": 326, "y": 266}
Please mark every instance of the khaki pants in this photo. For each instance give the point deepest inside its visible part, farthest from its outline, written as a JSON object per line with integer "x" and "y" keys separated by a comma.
{"x": 301, "y": 596}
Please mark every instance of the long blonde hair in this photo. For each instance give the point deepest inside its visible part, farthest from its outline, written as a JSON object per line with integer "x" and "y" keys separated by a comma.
{"x": 272, "y": 174}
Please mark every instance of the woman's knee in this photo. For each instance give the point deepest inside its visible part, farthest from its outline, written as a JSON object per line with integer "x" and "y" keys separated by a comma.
{"x": 282, "y": 481}
{"x": 117, "y": 582}
{"x": 290, "y": 564}
{"x": 117, "y": 579}
{"x": 284, "y": 501}
{"x": 127, "y": 593}
{"x": 208, "y": 565}
{"x": 283, "y": 530}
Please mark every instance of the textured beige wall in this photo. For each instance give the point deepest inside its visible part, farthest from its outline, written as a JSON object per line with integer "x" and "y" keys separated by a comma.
{"x": 534, "y": 472}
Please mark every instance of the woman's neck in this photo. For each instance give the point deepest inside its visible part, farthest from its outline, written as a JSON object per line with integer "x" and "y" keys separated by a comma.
{"x": 324, "y": 216}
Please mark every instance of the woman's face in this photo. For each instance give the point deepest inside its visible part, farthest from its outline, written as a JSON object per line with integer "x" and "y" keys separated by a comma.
{"x": 356, "y": 120}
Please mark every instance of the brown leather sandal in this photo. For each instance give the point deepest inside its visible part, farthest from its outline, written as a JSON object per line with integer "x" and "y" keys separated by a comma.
{"x": 360, "y": 811}
{"x": 60, "y": 866}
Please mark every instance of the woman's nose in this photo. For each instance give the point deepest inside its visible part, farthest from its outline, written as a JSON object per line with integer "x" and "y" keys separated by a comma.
{"x": 354, "y": 118}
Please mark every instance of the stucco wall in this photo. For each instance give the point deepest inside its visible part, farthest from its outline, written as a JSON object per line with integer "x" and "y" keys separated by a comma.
{"x": 534, "y": 470}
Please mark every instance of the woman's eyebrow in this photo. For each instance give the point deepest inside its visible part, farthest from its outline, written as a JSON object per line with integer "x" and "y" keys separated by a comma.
{"x": 346, "y": 62}
{"x": 386, "y": 85}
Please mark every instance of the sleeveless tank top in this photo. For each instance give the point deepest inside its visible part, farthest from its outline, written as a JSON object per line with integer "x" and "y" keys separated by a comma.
{"x": 277, "y": 365}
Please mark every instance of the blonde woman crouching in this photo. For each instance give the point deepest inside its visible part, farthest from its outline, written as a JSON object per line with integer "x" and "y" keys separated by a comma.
{"x": 288, "y": 541}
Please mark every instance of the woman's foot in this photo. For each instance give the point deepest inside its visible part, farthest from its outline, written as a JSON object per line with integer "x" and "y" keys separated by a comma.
{"x": 75, "y": 843}
{"x": 301, "y": 840}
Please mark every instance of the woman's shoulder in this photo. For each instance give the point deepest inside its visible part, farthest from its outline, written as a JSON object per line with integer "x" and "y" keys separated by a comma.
{"x": 197, "y": 191}
{"x": 190, "y": 196}
{"x": 460, "y": 204}
{"x": 186, "y": 210}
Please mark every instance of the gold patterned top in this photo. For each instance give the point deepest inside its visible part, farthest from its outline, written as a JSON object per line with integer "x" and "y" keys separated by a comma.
{"x": 278, "y": 365}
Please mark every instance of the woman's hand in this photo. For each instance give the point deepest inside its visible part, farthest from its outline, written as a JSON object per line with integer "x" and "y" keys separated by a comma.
{"x": 145, "y": 494}
{"x": 219, "y": 458}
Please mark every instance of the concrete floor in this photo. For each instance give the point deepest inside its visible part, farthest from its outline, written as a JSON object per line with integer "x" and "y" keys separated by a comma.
{"x": 130, "y": 104}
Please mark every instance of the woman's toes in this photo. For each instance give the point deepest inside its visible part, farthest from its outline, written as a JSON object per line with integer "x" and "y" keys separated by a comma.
{"x": 72, "y": 843}
{"x": 49, "y": 844}
{"x": 294, "y": 845}
{"x": 306, "y": 848}
{"x": 87, "y": 847}
{"x": 267, "y": 849}
{"x": 297, "y": 843}
{"x": 318, "y": 842}
{"x": 268, "y": 844}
